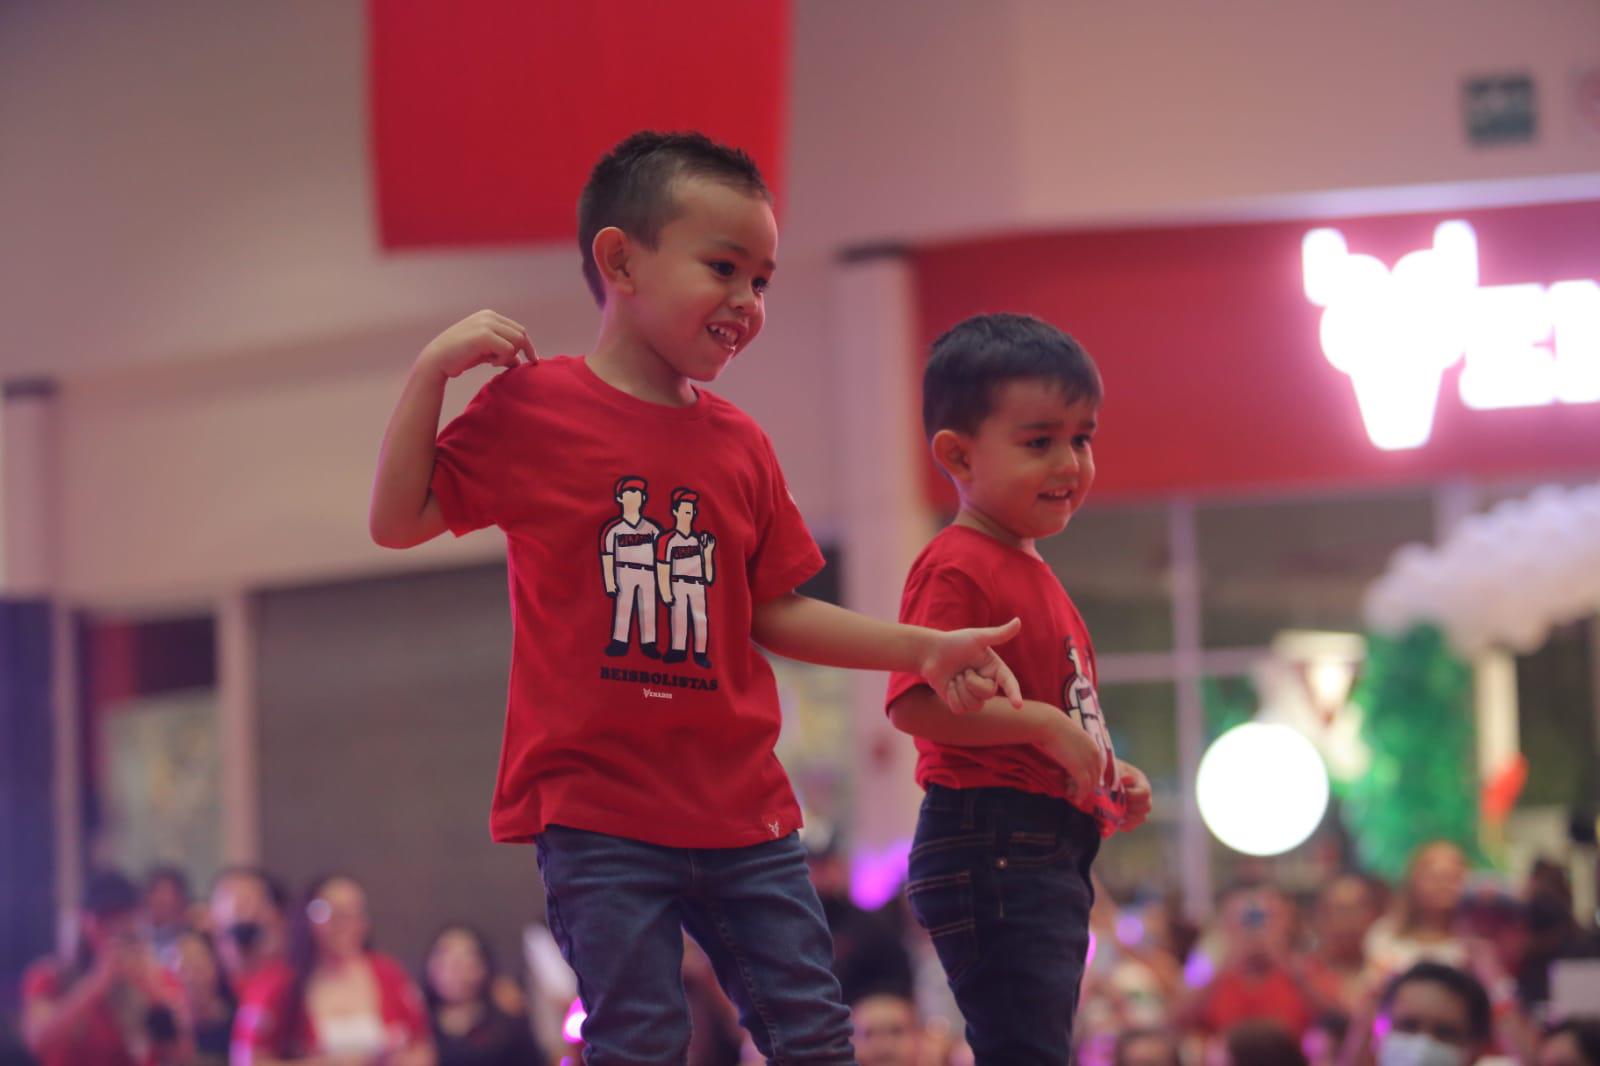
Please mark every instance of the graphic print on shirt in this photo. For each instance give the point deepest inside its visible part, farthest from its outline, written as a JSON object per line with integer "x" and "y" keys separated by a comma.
{"x": 627, "y": 564}
{"x": 1081, "y": 702}
{"x": 685, "y": 567}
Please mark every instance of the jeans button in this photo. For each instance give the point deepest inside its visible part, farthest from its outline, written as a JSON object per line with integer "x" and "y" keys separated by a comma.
{"x": 1000, "y": 863}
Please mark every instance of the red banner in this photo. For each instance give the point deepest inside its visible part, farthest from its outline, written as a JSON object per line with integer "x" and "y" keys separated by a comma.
{"x": 487, "y": 117}
{"x": 1480, "y": 357}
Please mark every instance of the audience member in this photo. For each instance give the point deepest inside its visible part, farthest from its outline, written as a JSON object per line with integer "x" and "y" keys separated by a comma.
{"x": 247, "y": 920}
{"x": 167, "y": 903}
{"x": 193, "y": 960}
{"x": 333, "y": 1000}
{"x": 469, "y": 1027}
{"x": 1423, "y": 922}
{"x": 110, "y": 1003}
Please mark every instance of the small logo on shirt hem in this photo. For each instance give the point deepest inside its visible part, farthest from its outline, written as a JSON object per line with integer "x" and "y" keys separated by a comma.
{"x": 652, "y": 694}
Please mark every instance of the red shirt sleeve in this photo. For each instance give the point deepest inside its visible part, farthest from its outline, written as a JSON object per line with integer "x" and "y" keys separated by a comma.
{"x": 661, "y": 547}
{"x": 402, "y": 1003}
{"x": 939, "y": 597}
{"x": 469, "y": 460}
{"x": 785, "y": 556}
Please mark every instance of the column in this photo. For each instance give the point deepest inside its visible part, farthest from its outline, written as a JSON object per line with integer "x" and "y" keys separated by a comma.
{"x": 885, "y": 522}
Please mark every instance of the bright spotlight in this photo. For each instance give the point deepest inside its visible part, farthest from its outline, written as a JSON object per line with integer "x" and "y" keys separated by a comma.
{"x": 1262, "y": 789}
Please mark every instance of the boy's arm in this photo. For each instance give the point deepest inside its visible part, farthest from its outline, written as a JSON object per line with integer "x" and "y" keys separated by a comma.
{"x": 404, "y": 511}
{"x": 920, "y": 713}
{"x": 799, "y": 627}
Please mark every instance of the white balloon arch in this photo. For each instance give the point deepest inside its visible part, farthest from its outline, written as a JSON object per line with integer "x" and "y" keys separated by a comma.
{"x": 1503, "y": 578}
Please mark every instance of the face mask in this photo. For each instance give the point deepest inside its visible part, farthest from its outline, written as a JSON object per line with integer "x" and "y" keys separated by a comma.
{"x": 246, "y": 934}
{"x": 1418, "y": 1049}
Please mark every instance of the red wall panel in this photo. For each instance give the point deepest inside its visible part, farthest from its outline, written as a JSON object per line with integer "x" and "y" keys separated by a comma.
{"x": 487, "y": 116}
{"x": 1215, "y": 377}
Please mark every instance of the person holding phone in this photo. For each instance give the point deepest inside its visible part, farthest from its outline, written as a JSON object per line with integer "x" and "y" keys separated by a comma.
{"x": 111, "y": 1003}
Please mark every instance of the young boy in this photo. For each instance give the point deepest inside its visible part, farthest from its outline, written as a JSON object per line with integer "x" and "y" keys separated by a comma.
{"x": 1018, "y": 797}
{"x": 643, "y": 768}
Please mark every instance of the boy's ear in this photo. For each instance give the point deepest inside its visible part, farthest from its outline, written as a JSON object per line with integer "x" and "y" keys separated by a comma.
{"x": 612, "y": 253}
{"x": 953, "y": 452}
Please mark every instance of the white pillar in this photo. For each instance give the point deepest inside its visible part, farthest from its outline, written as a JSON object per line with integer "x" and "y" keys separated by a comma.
{"x": 236, "y": 728}
{"x": 886, "y": 519}
{"x": 28, "y": 501}
{"x": 1594, "y": 665}
{"x": 1494, "y": 675}
{"x": 1582, "y": 863}
{"x": 1188, "y": 652}
{"x": 1494, "y": 672}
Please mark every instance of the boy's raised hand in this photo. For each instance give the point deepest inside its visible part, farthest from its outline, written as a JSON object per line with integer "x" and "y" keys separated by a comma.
{"x": 482, "y": 337}
{"x": 950, "y": 657}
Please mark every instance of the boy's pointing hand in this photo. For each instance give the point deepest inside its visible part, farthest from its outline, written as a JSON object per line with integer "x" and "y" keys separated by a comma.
{"x": 952, "y": 654}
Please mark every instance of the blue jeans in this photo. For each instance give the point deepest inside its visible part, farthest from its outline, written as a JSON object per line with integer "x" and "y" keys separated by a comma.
{"x": 1000, "y": 880}
{"x": 618, "y": 908}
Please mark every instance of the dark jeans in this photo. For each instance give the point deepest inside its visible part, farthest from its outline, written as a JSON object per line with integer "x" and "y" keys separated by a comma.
{"x": 1000, "y": 880}
{"x": 618, "y": 908}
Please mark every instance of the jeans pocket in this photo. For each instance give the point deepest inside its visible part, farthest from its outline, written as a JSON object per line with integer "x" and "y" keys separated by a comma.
{"x": 1024, "y": 848}
{"x": 944, "y": 907}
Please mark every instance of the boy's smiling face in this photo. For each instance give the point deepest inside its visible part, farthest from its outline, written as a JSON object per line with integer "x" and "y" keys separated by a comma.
{"x": 1030, "y": 464}
{"x": 697, "y": 298}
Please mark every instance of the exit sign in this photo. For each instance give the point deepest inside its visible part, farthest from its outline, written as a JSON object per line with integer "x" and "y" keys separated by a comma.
{"x": 1499, "y": 109}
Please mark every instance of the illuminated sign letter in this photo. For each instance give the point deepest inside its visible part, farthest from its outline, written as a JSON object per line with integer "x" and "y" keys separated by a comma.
{"x": 1396, "y": 332}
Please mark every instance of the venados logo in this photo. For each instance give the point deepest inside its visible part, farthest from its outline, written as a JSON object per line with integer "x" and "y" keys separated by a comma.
{"x": 1395, "y": 332}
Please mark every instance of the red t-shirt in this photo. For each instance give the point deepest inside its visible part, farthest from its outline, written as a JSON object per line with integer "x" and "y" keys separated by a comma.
{"x": 401, "y": 1011}
{"x": 113, "y": 1034}
{"x": 967, "y": 578}
{"x": 1234, "y": 996}
{"x": 630, "y": 737}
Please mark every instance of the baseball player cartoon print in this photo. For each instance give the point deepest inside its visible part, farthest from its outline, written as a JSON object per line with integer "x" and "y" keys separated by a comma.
{"x": 1080, "y": 701}
{"x": 627, "y": 563}
{"x": 685, "y": 566}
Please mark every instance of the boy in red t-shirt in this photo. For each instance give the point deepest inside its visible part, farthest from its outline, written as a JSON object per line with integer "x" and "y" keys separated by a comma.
{"x": 1018, "y": 796}
{"x": 646, "y": 774}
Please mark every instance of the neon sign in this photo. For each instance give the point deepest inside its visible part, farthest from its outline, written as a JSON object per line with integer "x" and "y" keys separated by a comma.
{"x": 1395, "y": 333}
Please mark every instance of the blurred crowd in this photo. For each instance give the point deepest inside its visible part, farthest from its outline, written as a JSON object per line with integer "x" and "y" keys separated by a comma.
{"x": 251, "y": 975}
{"x": 1442, "y": 969}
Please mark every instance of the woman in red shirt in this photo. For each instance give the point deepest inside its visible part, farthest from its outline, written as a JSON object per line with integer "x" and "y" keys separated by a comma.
{"x": 334, "y": 1002}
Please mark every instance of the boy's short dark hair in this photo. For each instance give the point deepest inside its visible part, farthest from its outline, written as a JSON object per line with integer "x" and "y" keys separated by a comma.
{"x": 631, "y": 187}
{"x": 882, "y": 989}
{"x": 984, "y": 351}
{"x": 1263, "y": 1042}
{"x": 1465, "y": 987}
